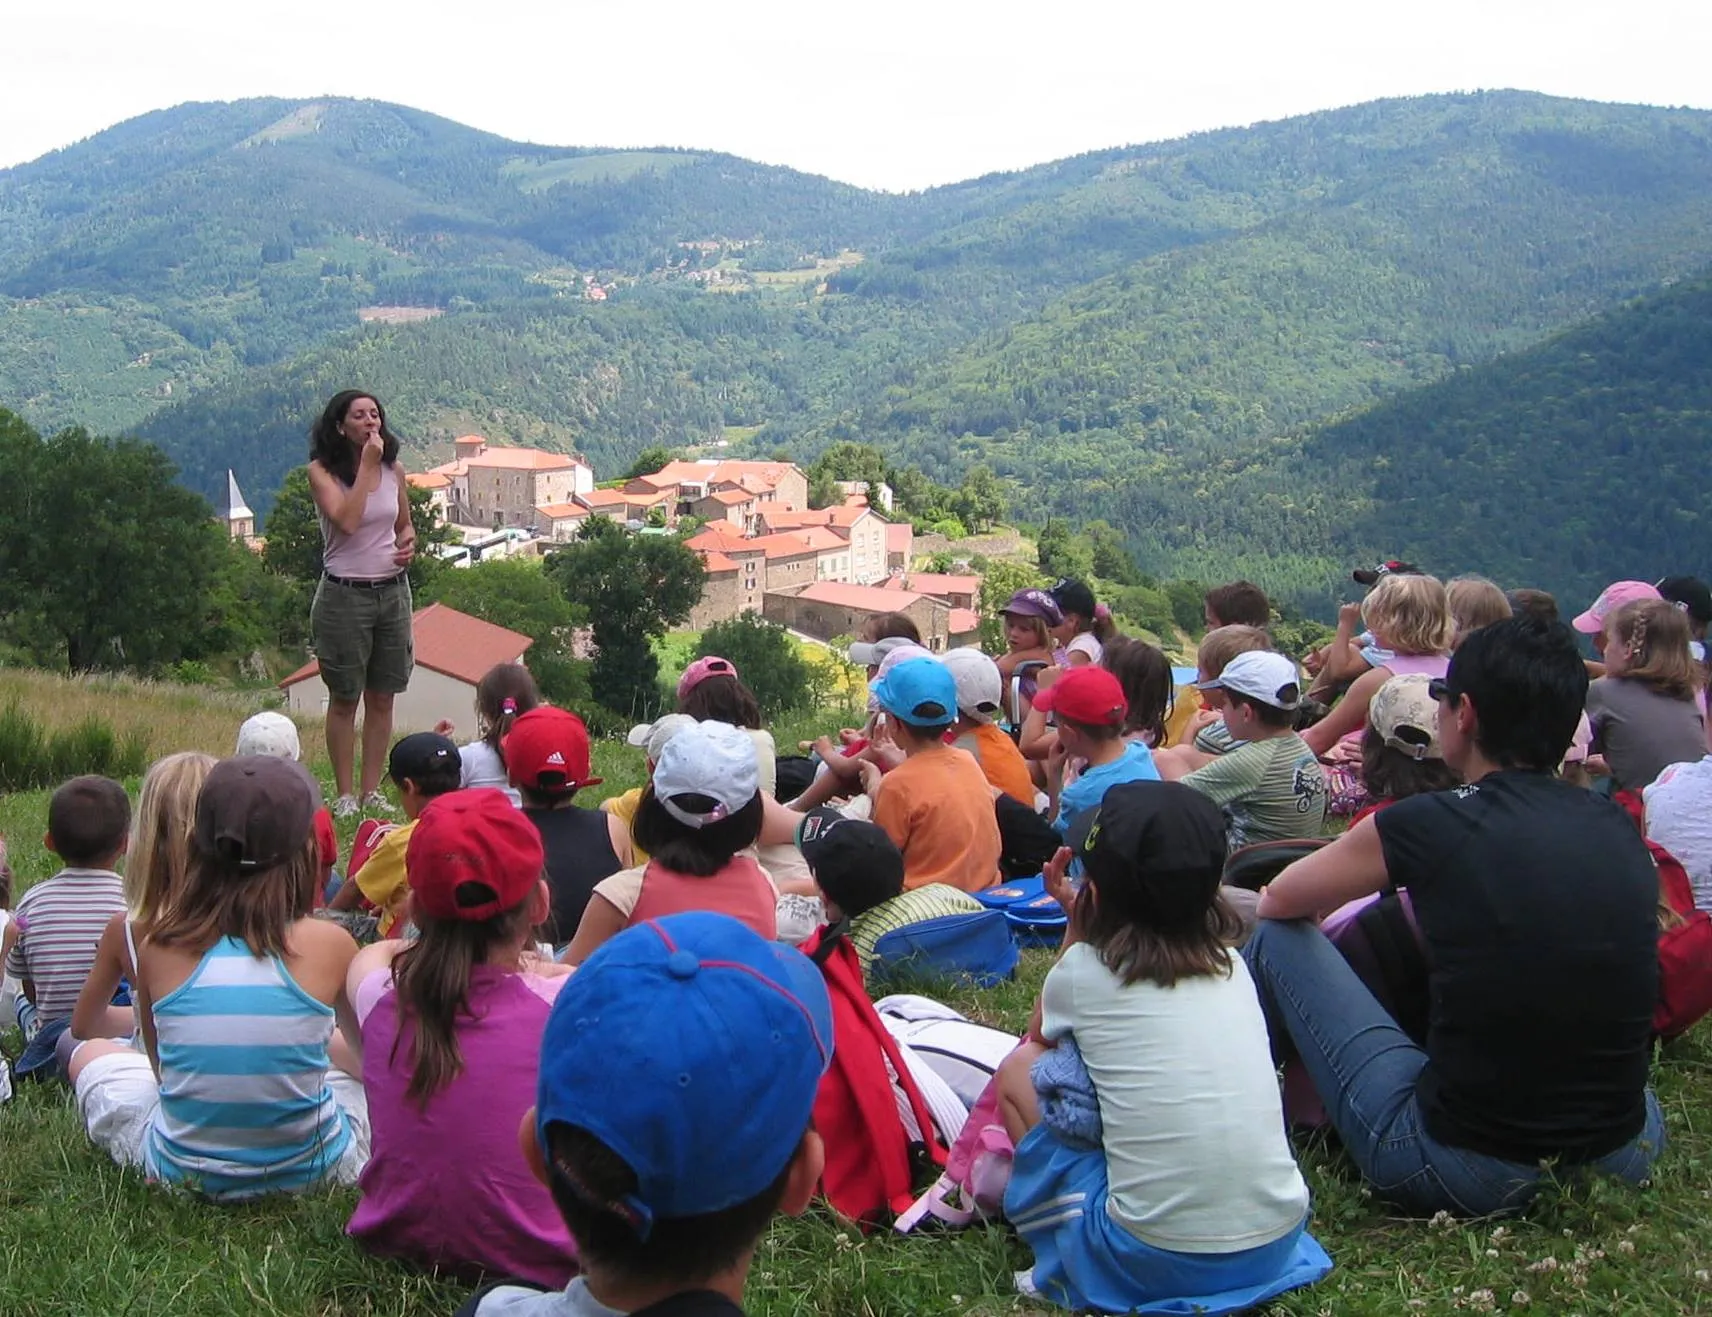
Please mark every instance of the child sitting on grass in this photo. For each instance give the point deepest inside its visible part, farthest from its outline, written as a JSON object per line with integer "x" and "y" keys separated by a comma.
{"x": 1400, "y": 752}
{"x": 236, "y": 987}
{"x": 936, "y": 805}
{"x": 270, "y": 733}
{"x": 1205, "y": 735}
{"x": 679, "y": 1071}
{"x": 422, "y": 765}
{"x": 504, "y": 694}
{"x": 450, "y": 1041}
{"x": 1090, "y": 709}
{"x": 697, "y": 820}
{"x": 547, "y": 754}
{"x": 155, "y": 870}
{"x": 1270, "y": 787}
{"x": 860, "y": 876}
{"x": 980, "y": 691}
{"x": 57, "y": 924}
{"x": 1644, "y": 711}
{"x": 1171, "y": 1186}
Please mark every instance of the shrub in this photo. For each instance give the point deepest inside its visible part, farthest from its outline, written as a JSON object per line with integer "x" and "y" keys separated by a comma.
{"x": 31, "y": 758}
{"x": 767, "y": 659}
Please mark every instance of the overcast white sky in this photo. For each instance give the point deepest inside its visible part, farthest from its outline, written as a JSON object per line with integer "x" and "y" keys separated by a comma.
{"x": 887, "y": 93}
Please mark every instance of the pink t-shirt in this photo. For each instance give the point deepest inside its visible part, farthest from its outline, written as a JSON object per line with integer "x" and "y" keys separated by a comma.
{"x": 446, "y": 1185}
{"x": 741, "y": 889}
{"x": 366, "y": 554}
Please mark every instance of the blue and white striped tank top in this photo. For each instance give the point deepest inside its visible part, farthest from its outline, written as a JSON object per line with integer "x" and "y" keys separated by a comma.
{"x": 244, "y": 1103}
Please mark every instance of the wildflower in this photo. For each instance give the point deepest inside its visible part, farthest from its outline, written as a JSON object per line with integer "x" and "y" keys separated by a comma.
{"x": 1521, "y": 1299}
{"x": 1500, "y": 1234}
{"x": 1482, "y": 1301}
{"x": 1547, "y": 1263}
{"x": 1625, "y": 1246}
{"x": 1441, "y": 1220}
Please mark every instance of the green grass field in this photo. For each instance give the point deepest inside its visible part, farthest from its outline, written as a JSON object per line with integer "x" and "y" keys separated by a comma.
{"x": 78, "y": 1237}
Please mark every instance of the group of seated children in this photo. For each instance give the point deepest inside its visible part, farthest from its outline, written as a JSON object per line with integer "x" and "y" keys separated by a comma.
{"x": 580, "y": 1027}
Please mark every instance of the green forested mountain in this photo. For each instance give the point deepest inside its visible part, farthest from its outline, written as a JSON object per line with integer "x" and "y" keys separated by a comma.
{"x": 1148, "y": 334}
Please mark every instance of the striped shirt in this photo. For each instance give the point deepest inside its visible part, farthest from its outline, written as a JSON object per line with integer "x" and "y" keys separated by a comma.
{"x": 244, "y": 1103}
{"x": 911, "y": 907}
{"x": 59, "y": 923}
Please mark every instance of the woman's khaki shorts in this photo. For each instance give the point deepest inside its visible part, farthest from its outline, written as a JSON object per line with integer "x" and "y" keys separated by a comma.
{"x": 363, "y": 638}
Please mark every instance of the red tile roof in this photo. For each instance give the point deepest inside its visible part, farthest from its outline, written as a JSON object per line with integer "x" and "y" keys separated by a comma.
{"x": 782, "y": 546}
{"x": 934, "y": 583}
{"x": 427, "y": 479}
{"x": 561, "y": 511}
{"x": 717, "y": 535}
{"x": 732, "y": 497}
{"x": 842, "y": 518}
{"x": 716, "y": 561}
{"x": 963, "y": 621}
{"x": 601, "y": 499}
{"x": 900, "y": 537}
{"x": 764, "y": 474}
{"x": 821, "y": 538}
{"x": 523, "y": 459}
{"x": 868, "y": 598}
{"x": 452, "y": 643}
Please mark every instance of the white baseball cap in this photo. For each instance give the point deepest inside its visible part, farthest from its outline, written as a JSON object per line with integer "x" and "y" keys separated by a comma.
{"x": 869, "y": 654}
{"x": 651, "y": 738}
{"x": 980, "y": 688}
{"x": 271, "y": 734}
{"x": 709, "y": 759}
{"x": 1260, "y": 675}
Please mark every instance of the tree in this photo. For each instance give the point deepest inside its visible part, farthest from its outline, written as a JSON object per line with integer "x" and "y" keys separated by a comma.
{"x": 1110, "y": 555}
{"x": 980, "y": 500}
{"x": 768, "y": 659}
{"x": 634, "y": 588}
{"x": 1060, "y": 554}
{"x": 518, "y": 594}
{"x": 851, "y": 461}
{"x": 106, "y": 554}
{"x": 823, "y": 491}
{"x": 293, "y": 530}
{"x": 650, "y": 460}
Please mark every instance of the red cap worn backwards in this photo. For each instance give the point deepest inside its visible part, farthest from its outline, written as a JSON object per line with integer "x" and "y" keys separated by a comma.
{"x": 475, "y": 836}
{"x": 1088, "y": 695}
{"x": 547, "y": 749}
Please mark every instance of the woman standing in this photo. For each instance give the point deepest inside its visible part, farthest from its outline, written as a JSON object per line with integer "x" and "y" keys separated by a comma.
{"x": 361, "y": 617}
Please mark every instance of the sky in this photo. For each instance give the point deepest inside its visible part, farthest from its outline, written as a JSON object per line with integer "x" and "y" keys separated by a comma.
{"x": 895, "y": 94}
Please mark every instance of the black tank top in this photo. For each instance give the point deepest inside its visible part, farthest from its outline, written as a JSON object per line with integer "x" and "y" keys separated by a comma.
{"x": 579, "y": 854}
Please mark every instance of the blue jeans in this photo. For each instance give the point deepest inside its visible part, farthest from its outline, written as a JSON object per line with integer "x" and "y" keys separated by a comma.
{"x": 1364, "y": 1068}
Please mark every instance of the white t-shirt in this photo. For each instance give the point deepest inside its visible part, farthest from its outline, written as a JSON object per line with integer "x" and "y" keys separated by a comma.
{"x": 1679, "y": 818}
{"x": 482, "y": 767}
{"x": 1196, "y": 1155}
{"x": 1084, "y": 642}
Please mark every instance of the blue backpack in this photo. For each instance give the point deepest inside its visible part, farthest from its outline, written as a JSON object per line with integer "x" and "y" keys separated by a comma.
{"x": 976, "y": 946}
{"x": 1035, "y": 919}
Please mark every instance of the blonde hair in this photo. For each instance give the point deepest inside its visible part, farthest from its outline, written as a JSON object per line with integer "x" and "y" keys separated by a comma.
{"x": 1474, "y": 602}
{"x": 1220, "y": 645}
{"x": 160, "y": 842}
{"x": 1655, "y": 637}
{"x": 1409, "y": 614}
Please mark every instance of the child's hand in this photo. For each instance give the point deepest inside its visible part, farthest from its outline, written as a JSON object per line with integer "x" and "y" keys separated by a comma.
{"x": 837, "y": 762}
{"x": 1047, "y": 678}
{"x": 1057, "y": 875}
{"x": 1349, "y": 617}
{"x": 1314, "y": 661}
{"x": 1202, "y": 718}
{"x": 1055, "y": 758}
{"x": 886, "y": 756}
{"x": 871, "y": 776}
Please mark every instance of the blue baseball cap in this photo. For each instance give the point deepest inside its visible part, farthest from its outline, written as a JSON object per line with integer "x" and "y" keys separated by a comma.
{"x": 921, "y": 692}
{"x": 693, "y": 1048}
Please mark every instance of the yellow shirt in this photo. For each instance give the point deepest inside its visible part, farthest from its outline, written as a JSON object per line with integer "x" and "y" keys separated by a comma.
{"x": 382, "y": 878}
{"x": 623, "y": 808}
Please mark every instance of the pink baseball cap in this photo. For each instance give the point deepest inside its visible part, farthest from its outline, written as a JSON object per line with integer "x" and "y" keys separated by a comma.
{"x": 1610, "y": 599}
{"x": 702, "y": 669}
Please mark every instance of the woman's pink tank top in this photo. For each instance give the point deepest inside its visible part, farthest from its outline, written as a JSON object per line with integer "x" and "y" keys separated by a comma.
{"x": 1409, "y": 665}
{"x": 741, "y": 889}
{"x": 366, "y": 555}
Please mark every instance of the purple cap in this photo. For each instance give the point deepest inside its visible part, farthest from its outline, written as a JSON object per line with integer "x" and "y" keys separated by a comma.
{"x": 1035, "y": 603}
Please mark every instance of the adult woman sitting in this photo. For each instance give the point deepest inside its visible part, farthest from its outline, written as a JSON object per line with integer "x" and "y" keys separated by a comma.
{"x": 1537, "y": 904}
{"x": 361, "y": 618}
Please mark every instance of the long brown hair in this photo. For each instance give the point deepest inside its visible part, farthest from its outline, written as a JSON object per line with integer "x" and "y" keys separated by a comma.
{"x": 220, "y": 900}
{"x": 432, "y": 980}
{"x": 1654, "y": 636}
{"x": 503, "y": 685}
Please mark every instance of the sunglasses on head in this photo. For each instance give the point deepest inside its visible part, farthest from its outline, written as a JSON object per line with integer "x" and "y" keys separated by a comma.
{"x": 1438, "y": 690}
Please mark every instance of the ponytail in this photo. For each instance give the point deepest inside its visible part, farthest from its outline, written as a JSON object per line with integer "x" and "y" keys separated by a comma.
{"x": 431, "y": 977}
{"x": 505, "y": 691}
{"x": 1102, "y": 625}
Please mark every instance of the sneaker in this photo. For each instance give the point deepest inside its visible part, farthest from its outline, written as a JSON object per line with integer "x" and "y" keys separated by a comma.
{"x": 378, "y": 803}
{"x": 346, "y": 806}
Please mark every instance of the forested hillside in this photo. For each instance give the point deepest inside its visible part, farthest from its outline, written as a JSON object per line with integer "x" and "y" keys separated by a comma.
{"x": 1147, "y": 334}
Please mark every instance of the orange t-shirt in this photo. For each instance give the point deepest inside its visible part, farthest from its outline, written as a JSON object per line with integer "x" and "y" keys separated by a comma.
{"x": 1000, "y": 760}
{"x": 938, "y": 809}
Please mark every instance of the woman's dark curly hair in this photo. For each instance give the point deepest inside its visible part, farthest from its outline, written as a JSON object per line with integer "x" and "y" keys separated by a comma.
{"x": 335, "y": 452}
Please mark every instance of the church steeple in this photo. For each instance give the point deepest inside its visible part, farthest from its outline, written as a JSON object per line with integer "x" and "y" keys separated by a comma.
{"x": 240, "y": 521}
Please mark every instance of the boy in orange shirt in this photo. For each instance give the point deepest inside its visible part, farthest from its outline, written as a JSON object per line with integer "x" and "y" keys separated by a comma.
{"x": 980, "y": 688}
{"x": 936, "y": 806}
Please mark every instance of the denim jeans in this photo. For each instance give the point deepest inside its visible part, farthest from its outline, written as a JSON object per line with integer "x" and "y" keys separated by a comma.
{"x": 1364, "y": 1067}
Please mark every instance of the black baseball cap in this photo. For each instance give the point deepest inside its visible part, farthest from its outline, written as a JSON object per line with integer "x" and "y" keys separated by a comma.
{"x": 419, "y": 754}
{"x": 1690, "y": 594}
{"x": 1169, "y": 835}
{"x": 1390, "y": 567}
{"x": 834, "y": 844}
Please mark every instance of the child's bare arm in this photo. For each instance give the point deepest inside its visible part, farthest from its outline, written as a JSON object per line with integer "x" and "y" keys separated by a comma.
{"x": 89, "y": 1017}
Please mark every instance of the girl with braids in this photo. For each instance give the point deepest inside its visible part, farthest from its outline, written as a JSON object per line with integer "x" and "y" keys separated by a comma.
{"x": 1644, "y": 710}
{"x": 449, "y": 1032}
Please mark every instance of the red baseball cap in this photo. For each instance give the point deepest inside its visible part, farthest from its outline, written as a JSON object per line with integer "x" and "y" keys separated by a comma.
{"x": 1085, "y": 695}
{"x": 547, "y": 749}
{"x": 475, "y": 836}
